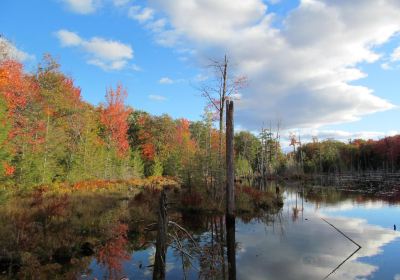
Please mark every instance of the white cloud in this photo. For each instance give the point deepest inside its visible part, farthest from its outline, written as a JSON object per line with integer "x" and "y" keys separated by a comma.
{"x": 106, "y": 54}
{"x": 120, "y": 3}
{"x": 68, "y": 38}
{"x": 386, "y": 66}
{"x": 397, "y": 277}
{"x": 396, "y": 55}
{"x": 158, "y": 98}
{"x": 9, "y": 51}
{"x": 342, "y": 135}
{"x": 157, "y": 25}
{"x": 141, "y": 14}
{"x": 108, "y": 49}
{"x": 166, "y": 81}
{"x": 299, "y": 72}
{"x": 82, "y": 6}
{"x": 113, "y": 65}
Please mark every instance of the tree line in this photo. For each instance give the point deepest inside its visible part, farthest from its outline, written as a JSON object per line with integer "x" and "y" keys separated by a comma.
{"x": 49, "y": 134}
{"x": 357, "y": 155}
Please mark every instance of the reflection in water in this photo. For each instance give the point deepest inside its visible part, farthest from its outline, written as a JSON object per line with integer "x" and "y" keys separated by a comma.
{"x": 351, "y": 255}
{"x": 161, "y": 243}
{"x": 108, "y": 237}
{"x": 113, "y": 253}
{"x": 231, "y": 245}
{"x": 311, "y": 249}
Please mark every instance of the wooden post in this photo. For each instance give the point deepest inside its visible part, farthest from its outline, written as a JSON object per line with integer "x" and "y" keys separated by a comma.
{"x": 161, "y": 247}
{"x": 230, "y": 171}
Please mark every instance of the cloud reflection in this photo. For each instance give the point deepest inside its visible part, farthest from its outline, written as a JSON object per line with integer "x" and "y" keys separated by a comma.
{"x": 310, "y": 249}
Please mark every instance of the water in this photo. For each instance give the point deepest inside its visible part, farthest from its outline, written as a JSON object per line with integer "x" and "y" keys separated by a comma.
{"x": 103, "y": 238}
{"x": 304, "y": 246}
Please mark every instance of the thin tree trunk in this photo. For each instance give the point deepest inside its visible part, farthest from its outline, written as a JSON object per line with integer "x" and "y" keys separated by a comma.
{"x": 221, "y": 117}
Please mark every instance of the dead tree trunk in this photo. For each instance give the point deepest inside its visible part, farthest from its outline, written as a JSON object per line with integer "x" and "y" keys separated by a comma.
{"x": 230, "y": 172}
{"x": 230, "y": 193}
{"x": 161, "y": 243}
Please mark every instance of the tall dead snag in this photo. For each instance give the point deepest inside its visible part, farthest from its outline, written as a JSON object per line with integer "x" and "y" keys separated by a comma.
{"x": 230, "y": 171}
{"x": 217, "y": 91}
{"x": 230, "y": 193}
{"x": 161, "y": 247}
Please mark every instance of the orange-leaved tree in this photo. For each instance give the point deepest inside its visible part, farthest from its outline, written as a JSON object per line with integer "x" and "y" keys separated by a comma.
{"x": 114, "y": 116}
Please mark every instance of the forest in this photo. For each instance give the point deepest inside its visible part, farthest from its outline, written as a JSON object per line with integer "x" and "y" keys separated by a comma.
{"x": 49, "y": 134}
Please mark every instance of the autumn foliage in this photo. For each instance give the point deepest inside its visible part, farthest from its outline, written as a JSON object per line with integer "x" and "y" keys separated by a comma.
{"x": 50, "y": 134}
{"x": 114, "y": 117}
{"x": 114, "y": 251}
{"x": 357, "y": 155}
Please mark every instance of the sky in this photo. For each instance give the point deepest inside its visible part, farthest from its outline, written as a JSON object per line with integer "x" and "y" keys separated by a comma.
{"x": 321, "y": 68}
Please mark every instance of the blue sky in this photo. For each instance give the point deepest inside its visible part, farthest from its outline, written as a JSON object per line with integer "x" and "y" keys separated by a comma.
{"x": 325, "y": 68}
{"x": 31, "y": 26}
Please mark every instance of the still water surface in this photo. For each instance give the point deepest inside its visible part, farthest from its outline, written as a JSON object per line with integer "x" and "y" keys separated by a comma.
{"x": 101, "y": 237}
{"x": 298, "y": 243}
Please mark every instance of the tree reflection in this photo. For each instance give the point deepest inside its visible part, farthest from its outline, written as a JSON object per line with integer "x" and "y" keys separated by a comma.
{"x": 113, "y": 252}
{"x": 44, "y": 235}
{"x": 231, "y": 246}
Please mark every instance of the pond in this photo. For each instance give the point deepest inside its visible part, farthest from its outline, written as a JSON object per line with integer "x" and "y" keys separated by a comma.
{"x": 319, "y": 233}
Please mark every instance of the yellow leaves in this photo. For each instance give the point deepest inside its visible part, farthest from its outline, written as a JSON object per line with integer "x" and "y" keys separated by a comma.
{"x": 152, "y": 182}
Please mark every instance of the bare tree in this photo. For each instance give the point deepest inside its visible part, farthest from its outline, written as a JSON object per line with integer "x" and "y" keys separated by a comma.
{"x": 4, "y": 48}
{"x": 296, "y": 140}
{"x": 293, "y": 142}
{"x": 223, "y": 87}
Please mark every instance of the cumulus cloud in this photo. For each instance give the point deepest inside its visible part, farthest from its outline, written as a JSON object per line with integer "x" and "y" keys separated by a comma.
{"x": 106, "y": 54}
{"x": 166, "y": 81}
{"x": 9, "y": 51}
{"x": 301, "y": 71}
{"x": 158, "y": 98}
{"x": 68, "y": 38}
{"x": 83, "y": 6}
{"x": 140, "y": 14}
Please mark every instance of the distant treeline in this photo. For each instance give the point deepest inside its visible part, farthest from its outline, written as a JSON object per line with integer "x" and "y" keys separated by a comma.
{"x": 355, "y": 156}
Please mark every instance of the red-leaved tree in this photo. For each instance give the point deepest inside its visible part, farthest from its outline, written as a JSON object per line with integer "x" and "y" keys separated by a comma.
{"x": 114, "y": 118}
